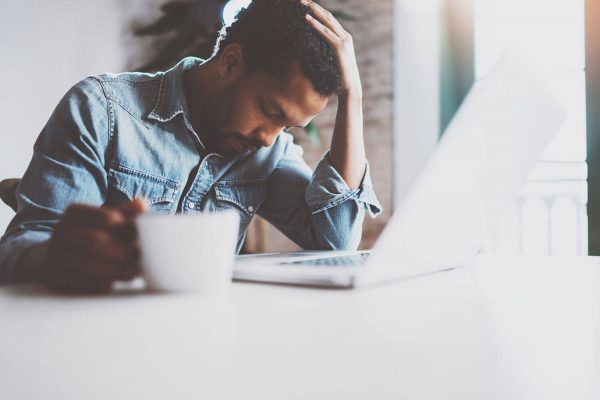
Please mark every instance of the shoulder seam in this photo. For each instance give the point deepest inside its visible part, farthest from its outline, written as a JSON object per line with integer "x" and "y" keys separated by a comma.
{"x": 141, "y": 82}
{"x": 109, "y": 96}
{"x": 110, "y": 124}
{"x": 136, "y": 117}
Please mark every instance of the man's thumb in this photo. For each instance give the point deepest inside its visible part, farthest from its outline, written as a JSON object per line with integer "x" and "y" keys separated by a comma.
{"x": 134, "y": 207}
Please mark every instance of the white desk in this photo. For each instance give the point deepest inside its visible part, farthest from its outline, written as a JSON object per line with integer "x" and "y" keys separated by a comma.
{"x": 506, "y": 329}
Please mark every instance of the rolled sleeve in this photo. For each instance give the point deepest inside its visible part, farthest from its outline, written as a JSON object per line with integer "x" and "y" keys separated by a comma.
{"x": 328, "y": 189}
{"x": 316, "y": 208}
{"x": 67, "y": 167}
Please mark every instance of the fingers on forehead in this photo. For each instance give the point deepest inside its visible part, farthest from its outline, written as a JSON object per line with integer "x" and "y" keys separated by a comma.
{"x": 93, "y": 216}
{"x": 327, "y": 32}
{"x": 316, "y": 7}
{"x": 326, "y": 19}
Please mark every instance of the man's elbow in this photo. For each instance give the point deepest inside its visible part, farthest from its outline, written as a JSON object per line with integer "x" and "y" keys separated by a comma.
{"x": 347, "y": 241}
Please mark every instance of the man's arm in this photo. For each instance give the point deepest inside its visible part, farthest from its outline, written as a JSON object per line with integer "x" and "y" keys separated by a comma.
{"x": 347, "y": 152}
{"x": 324, "y": 210}
{"x": 317, "y": 210}
{"x": 50, "y": 240}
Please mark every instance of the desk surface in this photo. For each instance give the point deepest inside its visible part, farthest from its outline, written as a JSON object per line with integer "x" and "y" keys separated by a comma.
{"x": 519, "y": 328}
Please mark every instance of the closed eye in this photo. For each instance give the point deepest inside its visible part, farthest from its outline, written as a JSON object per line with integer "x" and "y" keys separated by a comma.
{"x": 275, "y": 115}
{"x": 267, "y": 113}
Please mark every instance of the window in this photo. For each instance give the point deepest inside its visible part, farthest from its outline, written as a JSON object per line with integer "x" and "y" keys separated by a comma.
{"x": 549, "y": 215}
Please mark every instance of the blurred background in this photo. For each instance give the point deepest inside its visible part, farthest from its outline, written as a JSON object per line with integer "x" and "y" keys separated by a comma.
{"x": 418, "y": 60}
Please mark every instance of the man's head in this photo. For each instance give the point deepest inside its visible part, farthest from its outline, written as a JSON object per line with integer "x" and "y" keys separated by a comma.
{"x": 274, "y": 70}
{"x": 274, "y": 34}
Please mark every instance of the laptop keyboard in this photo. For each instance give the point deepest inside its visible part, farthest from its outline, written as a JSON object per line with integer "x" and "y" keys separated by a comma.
{"x": 344, "y": 261}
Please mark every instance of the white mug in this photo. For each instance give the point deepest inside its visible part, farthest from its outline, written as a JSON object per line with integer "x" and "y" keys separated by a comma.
{"x": 188, "y": 252}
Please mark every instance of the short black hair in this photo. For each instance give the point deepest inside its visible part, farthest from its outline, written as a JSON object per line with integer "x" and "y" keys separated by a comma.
{"x": 274, "y": 34}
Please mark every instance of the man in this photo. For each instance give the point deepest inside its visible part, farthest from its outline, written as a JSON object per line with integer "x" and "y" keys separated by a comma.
{"x": 203, "y": 136}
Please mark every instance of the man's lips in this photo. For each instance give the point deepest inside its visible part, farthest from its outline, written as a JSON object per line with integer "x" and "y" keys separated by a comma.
{"x": 242, "y": 146}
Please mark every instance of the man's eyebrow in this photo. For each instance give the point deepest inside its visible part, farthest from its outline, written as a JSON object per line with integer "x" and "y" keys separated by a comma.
{"x": 279, "y": 109}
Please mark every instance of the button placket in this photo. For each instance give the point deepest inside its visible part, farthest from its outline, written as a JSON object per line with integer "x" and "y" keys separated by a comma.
{"x": 201, "y": 185}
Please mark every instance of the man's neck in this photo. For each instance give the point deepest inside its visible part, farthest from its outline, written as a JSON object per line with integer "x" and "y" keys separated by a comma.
{"x": 199, "y": 86}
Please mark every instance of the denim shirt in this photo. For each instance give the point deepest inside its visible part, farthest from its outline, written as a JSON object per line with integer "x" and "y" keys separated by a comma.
{"x": 116, "y": 137}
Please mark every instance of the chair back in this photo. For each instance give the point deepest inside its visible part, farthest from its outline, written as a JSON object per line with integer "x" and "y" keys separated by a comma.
{"x": 8, "y": 192}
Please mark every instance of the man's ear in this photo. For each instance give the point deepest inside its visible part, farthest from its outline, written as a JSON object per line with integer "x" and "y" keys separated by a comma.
{"x": 231, "y": 62}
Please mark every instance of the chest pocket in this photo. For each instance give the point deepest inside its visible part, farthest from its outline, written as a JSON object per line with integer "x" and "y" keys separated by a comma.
{"x": 243, "y": 195}
{"x": 125, "y": 184}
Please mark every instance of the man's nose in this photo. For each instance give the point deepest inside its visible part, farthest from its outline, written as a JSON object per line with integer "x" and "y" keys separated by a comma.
{"x": 267, "y": 137}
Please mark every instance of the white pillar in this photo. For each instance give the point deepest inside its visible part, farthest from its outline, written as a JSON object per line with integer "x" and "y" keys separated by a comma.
{"x": 416, "y": 88}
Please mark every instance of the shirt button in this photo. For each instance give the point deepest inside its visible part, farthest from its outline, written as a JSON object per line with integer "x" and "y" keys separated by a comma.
{"x": 190, "y": 205}
{"x": 250, "y": 209}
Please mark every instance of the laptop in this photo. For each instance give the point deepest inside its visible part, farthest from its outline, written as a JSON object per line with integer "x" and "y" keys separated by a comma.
{"x": 499, "y": 133}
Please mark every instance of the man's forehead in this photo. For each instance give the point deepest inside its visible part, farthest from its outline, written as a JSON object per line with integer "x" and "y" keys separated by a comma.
{"x": 295, "y": 95}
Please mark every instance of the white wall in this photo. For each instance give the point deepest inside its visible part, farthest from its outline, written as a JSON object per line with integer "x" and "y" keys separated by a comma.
{"x": 416, "y": 88}
{"x": 46, "y": 47}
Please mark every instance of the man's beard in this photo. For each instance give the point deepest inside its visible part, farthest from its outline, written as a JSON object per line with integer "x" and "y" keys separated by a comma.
{"x": 222, "y": 140}
{"x": 214, "y": 136}
{"x": 231, "y": 144}
{"x": 217, "y": 136}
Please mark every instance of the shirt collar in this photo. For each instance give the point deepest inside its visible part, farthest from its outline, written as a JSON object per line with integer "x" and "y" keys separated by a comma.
{"x": 171, "y": 95}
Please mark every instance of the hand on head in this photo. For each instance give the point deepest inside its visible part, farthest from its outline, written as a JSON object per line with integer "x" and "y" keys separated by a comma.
{"x": 92, "y": 247}
{"x": 342, "y": 43}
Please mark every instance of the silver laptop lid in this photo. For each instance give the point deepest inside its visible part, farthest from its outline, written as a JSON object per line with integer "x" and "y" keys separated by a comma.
{"x": 493, "y": 142}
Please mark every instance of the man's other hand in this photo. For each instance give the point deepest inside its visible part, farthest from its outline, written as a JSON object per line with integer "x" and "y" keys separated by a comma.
{"x": 342, "y": 43}
{"x": 93, "y": 247}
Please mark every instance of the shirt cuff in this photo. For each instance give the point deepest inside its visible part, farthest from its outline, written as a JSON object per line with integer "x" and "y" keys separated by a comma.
{"x": 13, "y": 249}
{"x": 328, "y": 189}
